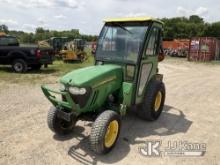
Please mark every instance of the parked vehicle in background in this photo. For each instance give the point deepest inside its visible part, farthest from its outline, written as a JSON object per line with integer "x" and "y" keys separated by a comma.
{"x": 93, "y": 46}
{"x": 204, "y": 49}
{"x": 176, "y": 48}
{"x": 74, "y": 51}
{"x": 180, "y": 52}
{"x": 21, "y": 58}
{"x": 57, "y": 43}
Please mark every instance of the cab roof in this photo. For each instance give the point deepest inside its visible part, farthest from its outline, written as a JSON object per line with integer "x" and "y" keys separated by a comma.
{"x": 133, "y": 19}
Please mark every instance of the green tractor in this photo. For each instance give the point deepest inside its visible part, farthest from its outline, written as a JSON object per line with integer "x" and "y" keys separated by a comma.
{"x": 124, "y": 76}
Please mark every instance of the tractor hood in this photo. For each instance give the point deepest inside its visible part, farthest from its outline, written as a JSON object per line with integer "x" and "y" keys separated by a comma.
{"x": 93, "y": 76}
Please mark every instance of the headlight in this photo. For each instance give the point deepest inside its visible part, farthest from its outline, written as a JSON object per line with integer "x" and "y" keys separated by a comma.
{"x": 77, "y": 91}
{"x": 62, "y": 87}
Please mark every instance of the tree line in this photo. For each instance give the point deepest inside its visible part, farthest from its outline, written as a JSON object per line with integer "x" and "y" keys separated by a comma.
{"x": 41, "y": 34}
{"x": 174, "y": 28}
{"x": 194, "y": 26}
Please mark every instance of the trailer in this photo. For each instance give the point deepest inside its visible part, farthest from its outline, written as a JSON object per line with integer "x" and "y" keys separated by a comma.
{"x": 204, "y": 49}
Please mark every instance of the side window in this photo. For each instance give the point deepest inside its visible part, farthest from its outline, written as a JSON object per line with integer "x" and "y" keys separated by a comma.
{"x": 153, "y": 42}
{"x": 3, "y": 41}
{"x": 145, "y": 72}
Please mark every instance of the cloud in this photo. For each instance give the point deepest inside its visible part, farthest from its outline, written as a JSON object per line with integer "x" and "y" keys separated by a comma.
{"x": 61, "y": 16}
{"x": 8, "y": 21}
{"x": 29, "y": 27}
{"x": 88, "y": 15}
{"x": 44, "y": 3}
{"x": 136, "y": 14}
{"x": 66, "y": 3}
{"x": 201, "y": 11}
{"x": 182, "y": 11}
{"x": 41, "y": 21}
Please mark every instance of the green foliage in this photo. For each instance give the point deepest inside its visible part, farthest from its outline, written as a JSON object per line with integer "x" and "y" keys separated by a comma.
{"x": 194, "y": 26}
{"x": 196, "y": 19}
{"x": 4, "y": 28}
{"x": 44, "y": 34}
{"x": 213, "y": 30}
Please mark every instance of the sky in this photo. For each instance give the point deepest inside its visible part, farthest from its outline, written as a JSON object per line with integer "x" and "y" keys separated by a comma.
{"x": 88, "y": 15}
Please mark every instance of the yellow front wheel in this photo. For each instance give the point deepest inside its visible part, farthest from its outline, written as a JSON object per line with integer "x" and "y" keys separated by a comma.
{"x": 105, "y": 132}
{"x": 111, "y": 134}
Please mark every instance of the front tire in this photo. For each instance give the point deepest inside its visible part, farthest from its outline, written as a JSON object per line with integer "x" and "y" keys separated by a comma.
{"x": 153, "y": 102}
{"x": 58, "y": 125}
{"x": 105, "y": 132}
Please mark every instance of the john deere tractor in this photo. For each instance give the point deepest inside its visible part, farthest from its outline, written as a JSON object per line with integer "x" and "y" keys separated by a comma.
{"x": 125, "y": 75}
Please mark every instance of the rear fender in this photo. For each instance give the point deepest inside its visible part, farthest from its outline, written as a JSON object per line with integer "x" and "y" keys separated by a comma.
{"x": 17, "y": 55}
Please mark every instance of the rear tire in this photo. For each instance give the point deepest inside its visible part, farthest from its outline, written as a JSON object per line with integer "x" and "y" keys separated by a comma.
{"x": 153, "y": 102}
{"x": 19, "y": 66}
{"x": 58, "y": 125}
{"x": 105, "y": 132}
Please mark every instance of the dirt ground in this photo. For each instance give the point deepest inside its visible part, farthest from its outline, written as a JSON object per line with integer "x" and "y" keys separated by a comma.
{"x": 191, "y": 113}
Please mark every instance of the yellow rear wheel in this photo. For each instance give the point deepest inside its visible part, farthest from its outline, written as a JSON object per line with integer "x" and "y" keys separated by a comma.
{"x": 158, "y": 101}
{"x": 153, "y": 101}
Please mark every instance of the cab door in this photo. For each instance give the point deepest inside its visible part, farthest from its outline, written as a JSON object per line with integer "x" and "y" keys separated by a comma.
{"x": 149, "y": 61}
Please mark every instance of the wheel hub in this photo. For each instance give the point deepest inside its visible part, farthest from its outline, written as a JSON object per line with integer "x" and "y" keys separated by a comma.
{"x": 18, "y": 66}
{"x": 111, "y": 134}
{"x": 158, "y": 101}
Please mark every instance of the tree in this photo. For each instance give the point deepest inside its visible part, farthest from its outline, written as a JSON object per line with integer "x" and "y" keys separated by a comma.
{"x": 196, "y": 19}
{"x": 39, "y": 30}
{"x": 4, "y": 28}
{"x": 213, "y": 30}
{"x": 182, "y": 27}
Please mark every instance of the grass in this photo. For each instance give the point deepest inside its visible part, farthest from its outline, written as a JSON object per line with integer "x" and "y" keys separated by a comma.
{"x": 45, "y": 75}
{"x": 59, "y": 68}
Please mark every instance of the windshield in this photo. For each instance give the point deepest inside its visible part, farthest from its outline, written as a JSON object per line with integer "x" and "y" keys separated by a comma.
{"x": 120, "y": 42}
{"x": 8, "y": 41}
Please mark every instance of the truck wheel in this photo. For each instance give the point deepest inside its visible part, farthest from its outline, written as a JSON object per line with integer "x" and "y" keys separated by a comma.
{"x": 19, "y": 66}
{"x": 105, "y": 132}
{"x": 58, "y": 125}
{"x": 153, "y": 102}
{"x": 36, "y": 67}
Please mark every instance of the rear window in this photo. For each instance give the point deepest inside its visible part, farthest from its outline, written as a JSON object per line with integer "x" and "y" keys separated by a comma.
{"x": 8, "y": 41}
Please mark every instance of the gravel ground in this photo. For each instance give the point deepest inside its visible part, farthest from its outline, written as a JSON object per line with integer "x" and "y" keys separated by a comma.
{"x": 191, "y": 114}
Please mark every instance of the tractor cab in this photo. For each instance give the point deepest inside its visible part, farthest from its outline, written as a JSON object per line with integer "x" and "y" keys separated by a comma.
{"x": 136, "y": 45}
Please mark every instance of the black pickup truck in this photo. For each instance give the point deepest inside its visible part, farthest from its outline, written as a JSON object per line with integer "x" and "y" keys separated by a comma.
{"x": 22, "y": 58}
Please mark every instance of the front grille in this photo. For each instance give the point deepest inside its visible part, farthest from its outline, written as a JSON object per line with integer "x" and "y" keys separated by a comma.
{"x": 94, "y": 98}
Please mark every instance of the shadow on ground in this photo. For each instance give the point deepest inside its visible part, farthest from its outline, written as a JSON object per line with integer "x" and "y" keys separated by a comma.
{"x": 172, "y": 121}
